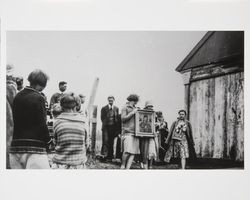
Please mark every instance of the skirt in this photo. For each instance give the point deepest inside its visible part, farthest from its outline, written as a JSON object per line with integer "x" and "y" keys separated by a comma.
{"x": 152, "y": 149}
{"x": 148, "y": 149}
{"x": 177, "y": 149}
{"x": 130, "y": 144}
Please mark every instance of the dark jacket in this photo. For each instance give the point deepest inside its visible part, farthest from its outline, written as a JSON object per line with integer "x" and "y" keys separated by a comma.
{"x": 104, "y": 115}
{"x": 31, "y": 133}
{"x": 189, "y": 136}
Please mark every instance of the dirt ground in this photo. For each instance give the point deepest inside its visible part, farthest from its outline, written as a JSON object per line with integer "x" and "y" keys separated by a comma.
{"x": 199, "y": 164}
{"x": 174, "y": 164}
{"x": 115, "y": 164}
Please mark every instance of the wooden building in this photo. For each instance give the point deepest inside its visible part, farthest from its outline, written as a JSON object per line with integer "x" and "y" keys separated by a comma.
{"x": 213, "y": 74}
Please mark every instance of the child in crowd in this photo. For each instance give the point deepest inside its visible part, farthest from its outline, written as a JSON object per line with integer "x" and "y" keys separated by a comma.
{"x": 71, "y": 136}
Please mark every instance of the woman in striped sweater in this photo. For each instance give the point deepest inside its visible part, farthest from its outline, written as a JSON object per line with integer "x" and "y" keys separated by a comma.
{"x": 70, "y": 136}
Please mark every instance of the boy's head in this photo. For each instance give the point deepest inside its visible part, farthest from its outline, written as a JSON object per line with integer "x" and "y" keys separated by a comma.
{"x": 69, "y": 100}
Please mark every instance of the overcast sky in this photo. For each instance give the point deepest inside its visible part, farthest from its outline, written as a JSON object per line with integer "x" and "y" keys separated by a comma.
{"x": 141, "y": 62}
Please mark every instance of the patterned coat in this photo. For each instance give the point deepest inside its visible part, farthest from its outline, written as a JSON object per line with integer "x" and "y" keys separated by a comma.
{"x": 189, "y": 136}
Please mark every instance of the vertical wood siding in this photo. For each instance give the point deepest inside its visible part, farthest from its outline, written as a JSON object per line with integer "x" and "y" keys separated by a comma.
{"x": 217, "y": 114}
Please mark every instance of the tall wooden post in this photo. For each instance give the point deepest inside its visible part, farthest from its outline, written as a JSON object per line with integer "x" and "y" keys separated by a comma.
{"x": 93, "y": 126}
{"x": 92, "y": 110}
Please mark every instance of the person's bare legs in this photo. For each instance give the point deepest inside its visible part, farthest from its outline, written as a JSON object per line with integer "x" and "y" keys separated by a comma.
{"x": 125, "y": 157}
{"x": 129, "y": 161}
{"x": 151, "y": 163}
{"x": 145, "y": 165}
{"x": 183, "y": 163}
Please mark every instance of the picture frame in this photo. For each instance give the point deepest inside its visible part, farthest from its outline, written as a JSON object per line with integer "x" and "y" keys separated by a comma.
{"x": 145, "y": 123}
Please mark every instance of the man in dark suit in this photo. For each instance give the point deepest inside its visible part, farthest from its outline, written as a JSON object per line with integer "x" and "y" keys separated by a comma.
{"x": 109, "y": 117}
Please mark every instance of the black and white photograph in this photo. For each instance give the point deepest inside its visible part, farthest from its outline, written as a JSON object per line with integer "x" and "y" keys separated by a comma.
{"x": 138, "y": 100}
{"x": 135, "y": 99}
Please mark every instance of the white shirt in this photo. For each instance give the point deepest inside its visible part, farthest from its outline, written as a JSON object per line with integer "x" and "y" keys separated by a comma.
{"x": 110, "y": 107}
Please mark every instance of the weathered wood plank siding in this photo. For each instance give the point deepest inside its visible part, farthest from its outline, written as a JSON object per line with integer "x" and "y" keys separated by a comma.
{"x": 216, "y": 114}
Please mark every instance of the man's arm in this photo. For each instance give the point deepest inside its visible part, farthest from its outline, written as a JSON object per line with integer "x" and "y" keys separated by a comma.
{"x": 103, "y": 116}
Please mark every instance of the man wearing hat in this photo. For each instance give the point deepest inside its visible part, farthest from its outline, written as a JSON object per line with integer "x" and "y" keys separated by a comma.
{"x": 109, "y": 117}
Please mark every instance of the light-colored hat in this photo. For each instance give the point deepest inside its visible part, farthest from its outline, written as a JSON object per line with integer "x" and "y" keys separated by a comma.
{"x": 9, "y": 69}
{"x": 148, "y": 103}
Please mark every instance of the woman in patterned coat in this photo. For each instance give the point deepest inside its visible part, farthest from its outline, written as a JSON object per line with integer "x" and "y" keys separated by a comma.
{"x": 180, "y": 140}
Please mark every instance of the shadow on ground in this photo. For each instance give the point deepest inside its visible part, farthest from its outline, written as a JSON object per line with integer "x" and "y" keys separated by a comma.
{"x": 174, "y": 164}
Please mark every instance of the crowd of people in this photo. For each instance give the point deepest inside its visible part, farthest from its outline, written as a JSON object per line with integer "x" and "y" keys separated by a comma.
{"x": 35, "y": 127}
{"x": 161, "y": 147}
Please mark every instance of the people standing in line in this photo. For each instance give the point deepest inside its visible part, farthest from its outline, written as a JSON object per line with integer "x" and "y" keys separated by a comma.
{"x": 162, "y": 130}
{"x": 148, "y": 145}
{"x": 31, "y": 135}
{"x": 71, "y": 136}
{"x": 130, "y": 143}
{"x": 109, "y": 118}
{"x": 180, "y": 140}
{"x": 56, "y": 97}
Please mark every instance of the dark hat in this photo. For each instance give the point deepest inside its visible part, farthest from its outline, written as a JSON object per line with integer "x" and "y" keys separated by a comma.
{"x": 133, "y": 97}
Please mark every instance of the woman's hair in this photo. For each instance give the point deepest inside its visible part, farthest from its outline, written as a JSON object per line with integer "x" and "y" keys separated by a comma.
{"x": 182, "y": 111}
{"x": 69, "y": 100}
{"x": 133, "y": 97}
{"x": 38, "y": 77}
{"x": 62, "y": 83}
{"x": 78, "y": 103}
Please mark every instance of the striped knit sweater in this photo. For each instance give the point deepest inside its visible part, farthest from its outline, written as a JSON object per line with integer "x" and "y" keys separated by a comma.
{"x": 70, "y": 136}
